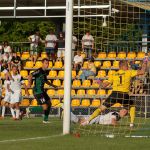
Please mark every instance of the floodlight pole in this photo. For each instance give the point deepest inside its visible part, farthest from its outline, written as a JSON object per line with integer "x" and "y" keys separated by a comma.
{"x": 68, "y": 66}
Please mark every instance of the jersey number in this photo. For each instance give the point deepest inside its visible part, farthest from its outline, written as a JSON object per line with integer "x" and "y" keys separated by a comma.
{"x": 120, "y": 77}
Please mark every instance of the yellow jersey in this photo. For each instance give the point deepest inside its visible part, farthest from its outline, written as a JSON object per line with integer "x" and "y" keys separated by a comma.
{"x": 121, "y": 80}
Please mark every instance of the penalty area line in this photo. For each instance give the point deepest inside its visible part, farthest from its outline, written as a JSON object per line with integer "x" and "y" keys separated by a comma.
{"x": 33, "y": 138}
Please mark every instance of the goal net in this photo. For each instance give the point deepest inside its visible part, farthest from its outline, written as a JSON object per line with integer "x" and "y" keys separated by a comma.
{"x": 121, "y": 32}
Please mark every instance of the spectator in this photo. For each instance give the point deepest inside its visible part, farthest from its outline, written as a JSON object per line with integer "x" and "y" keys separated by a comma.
{"x": 90, "y": 71}
{"x": 74, "y": 44}
{"x": 34, "y": 46}
{"x": 88, "y": 44}
{"x": 78, "y": 60}
{"x": 16, "y": 61}
{"x": 1, "y": 50}
{"x": 7, "y": 48}
{"x": 61, "y": 46}
{"x": 50, "y": 44}
{"x": 6, "y": 61}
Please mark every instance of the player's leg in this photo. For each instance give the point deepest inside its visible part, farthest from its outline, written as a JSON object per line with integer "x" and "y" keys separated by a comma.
{"x": 17, "y": 110}
{"x": 3, "y": 109}
{"x": 12, "y": 109}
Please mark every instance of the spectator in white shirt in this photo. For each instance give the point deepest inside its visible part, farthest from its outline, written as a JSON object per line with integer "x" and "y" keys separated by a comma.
{"x": 7, "y": 48}
{"x": 74, "y": 45}
{"x": 88, "y": 44}
{"x": 34, "y": 46}
{"x": 6, "y": 60}
{"x": 50, "y": 44}
{"x": 78, "y": 60}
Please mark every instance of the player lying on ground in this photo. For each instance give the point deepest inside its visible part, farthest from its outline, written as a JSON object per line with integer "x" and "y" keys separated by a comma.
{"x": 40, "y": 78}
{"x": 120, "y": 82}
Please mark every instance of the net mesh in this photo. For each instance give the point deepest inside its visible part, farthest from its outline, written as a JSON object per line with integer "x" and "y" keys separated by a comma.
{"x": 117, "y": 26}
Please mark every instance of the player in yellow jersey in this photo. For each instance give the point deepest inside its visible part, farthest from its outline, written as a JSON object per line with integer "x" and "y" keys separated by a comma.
{"x": 120, "y": 82}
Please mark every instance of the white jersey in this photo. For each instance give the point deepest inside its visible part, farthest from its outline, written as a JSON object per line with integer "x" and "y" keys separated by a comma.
{"x": 7, "y": 49}
{"x": 50, "y": 39}
{"x": 87, "y": 40}
{"x": 78, "y": 59}
{"x": 15, "y": 84}
{"x": 6, "y": 83}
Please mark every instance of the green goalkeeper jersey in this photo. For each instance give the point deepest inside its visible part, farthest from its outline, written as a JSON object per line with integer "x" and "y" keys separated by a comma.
{"x": 40, "y": 76}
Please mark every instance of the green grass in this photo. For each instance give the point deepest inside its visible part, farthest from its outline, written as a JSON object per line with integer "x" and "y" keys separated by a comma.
{"x": 32, "y": 128}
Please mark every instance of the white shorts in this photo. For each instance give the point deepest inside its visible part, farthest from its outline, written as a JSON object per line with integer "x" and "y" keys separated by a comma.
{"x": 7, "y": 97}
{"x": 60, "y": 53}
{"x": 15, "y": 97}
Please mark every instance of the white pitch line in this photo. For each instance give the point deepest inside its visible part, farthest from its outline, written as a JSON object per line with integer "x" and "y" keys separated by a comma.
{"x": 34, "y": 138}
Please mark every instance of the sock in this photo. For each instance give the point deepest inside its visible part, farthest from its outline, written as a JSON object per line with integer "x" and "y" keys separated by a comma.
{"x": 46, "y": 113}
{"x": 17, "y": 113}
{"x": 132, "y": 114}
{"x": 35, "y": 109}
{"x": 95, "y": 114}
{"x": 12, "y": 112}
{"x": 3, "y": 111}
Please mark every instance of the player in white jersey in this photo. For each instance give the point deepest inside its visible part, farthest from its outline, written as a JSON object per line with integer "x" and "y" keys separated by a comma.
{"x": 15, "y": 86}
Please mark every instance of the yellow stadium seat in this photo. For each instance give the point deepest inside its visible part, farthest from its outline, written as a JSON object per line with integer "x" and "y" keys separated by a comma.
{"x": 86, "y": 83}
{"x": 25, "y": 102}
{"x": 30, "y": 92}
{"x": 131, "y": 55}
{"x": 46, "y": 85}
{"x": 57, "y": 82}
{"x": 26, "y": 82}
{"x": 60, "y": 92}
{"x": 52, "y": 74}
{"x": 95, "y": 84}
{"x": 50, "y": 64}
{"x": 91, "y": 92}
{"x": 18, "y": 54}
{"x": 85, "y": 103}
{"x": 85, "y": 65}
{"x": 25, "y": 55}
{"x": 117, "y": 105}
{"x": 74, "y": 73}
{"x": 121, "y": 55}
{"x": 29, "y": 64}
{"x": 83, "y": 55}
{"x": 101, "y": 74}
{"x": 97, "y": 64}
{"x": 61, "y": 74}
{"x": 116, "y": 64}
{"x": 55, "y": 102}
{"x": 51, "y": 92}
{"x": 43, "y": 55}
{"x": 75, "y": 103}
{"x": 2, "y": 74}
{"x": 80, "y": 72}
{"x": 23, "y": 92}
{"x": 141, "y": 55}
{"x": 109, "y": 92}
{"x": 24, "y": 73}
{"x": 96, "y": 103}
{"x": 106, "y": 64}
{"x": 38, "y": 64}
{"x": 73, "y": 92}
{"x": 137, "y": 62}
{"x": 101, "y": 92}
{"x": 76, "y": 83}
{"x": 102, "y": 55}
{"x": 81, "y": 92}
{"x": 111, "y": 72}
{"x": 111, "y": 55}
{"x": 58, "y": 64}
{"x": 34, "y": 102}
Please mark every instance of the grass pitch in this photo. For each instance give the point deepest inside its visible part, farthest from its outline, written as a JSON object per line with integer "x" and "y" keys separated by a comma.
{"x": 34, "y": 135}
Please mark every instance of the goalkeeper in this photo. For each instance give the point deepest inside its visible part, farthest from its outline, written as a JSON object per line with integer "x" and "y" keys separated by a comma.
{"x": 120, "y": 82}
{"x": 40, "y": 77}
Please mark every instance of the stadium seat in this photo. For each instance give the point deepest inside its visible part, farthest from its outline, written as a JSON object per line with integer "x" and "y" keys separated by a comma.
{"x": 106, "y": 64}
{"x": 74, "y": 73}
{"x": 26, "y": 82}
{"x": 43, "y": 55}
{"x": 61, "y": 74}
{"x": 52, "y": 74}
{"x": 97, "y": 64}
{"x": 80, "y": 72}
{"x": 18, "y": 54}
{"x": 29, "y": 64}
{"x": 25, "y": 102}
{"x": 23, "y": 92}
{"x": 2, "y": 74}
{"x": 51, "y": 92}
{"x": 73, "y": 92}
{"x": 96, "y": 103}
{"x": 102, "y": 55}
{"x": 34, "y": 102}
{"x": 85, "y": 65}
{"x": 111, "y": 72}
{"x": 24, "y": 73}
{"x": 55, "y": 102}
{"x": 57, "y": 82}
{"x": 30, "y": 92}
{"x": 75, "y": 103}
{"x": 83, "y": 55}
{"x": 115, "y": 64}
{"x": 101, "y": 74}
{"x": 50, "y": 64}
{"x": 121, "y": 55}
{"x": 60, "y": 92}
{"x": 131, "y": 55}
{"x": 91, "y": 92}
{"x": 141, "y": 55}
{"x": 76, "y": 83}
{"x": 117, "y": 105}
{"x": 109, "y": 92}
{"x": 25, "y": 55}
{"x": 81, "y": 92}
{"x": 58, "y": 64}
{"x": 95, "y": 84}
{"x": 38, "y": 64}
{"x": 85, "y": 103}
{"x": 101, "y": 92}
{"x": 86, "y": 83}
{"x": 111, "y": 55}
